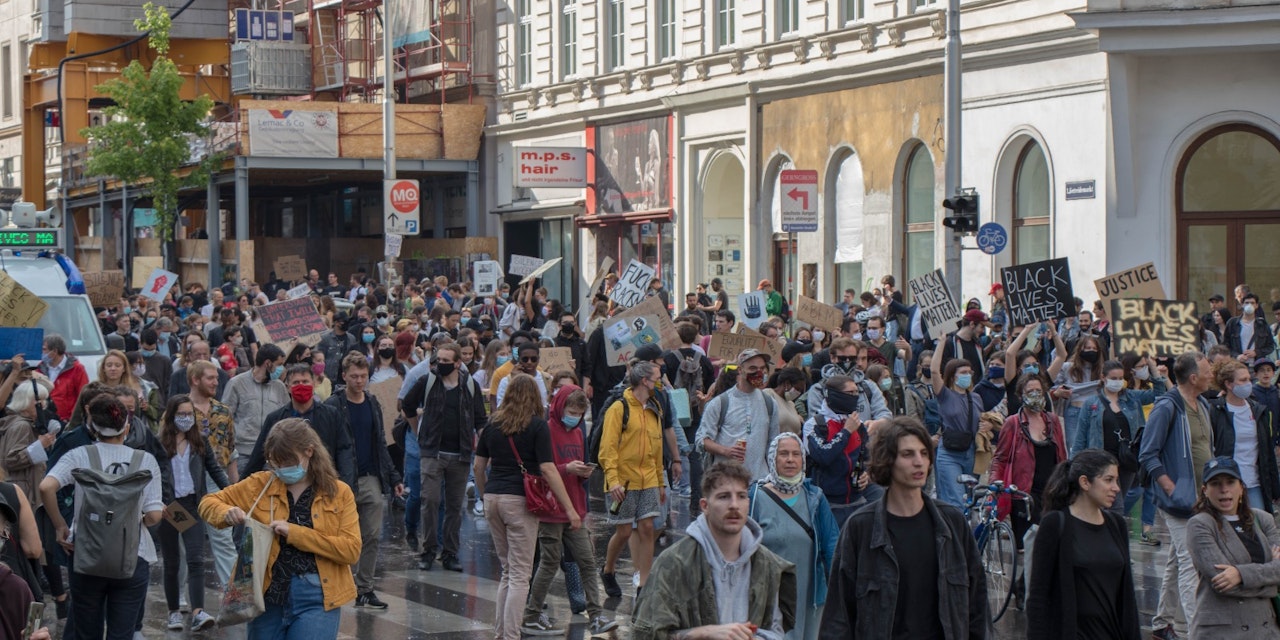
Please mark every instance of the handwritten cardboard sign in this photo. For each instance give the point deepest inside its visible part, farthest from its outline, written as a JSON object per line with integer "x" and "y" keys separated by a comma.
{"x": 1138, "y": 282}
{"x": 646, "y": 323}
{"x": 585, "y": 309}
{"x": 1038, "y": 292}
{"x": 523, "y": 265}
{"x": 937, "y": 304}
{"x": 632, "y": 284}
{"x": 545, "y": 267}
{"x": 178, "y": 516}
{"x": 104, "y": 287}
{"x": 291, "y": 319}
{"x": 25, "y": 342}
{"x": 555, "y": 359}
{"x": 19, "y": 307}
{"x": 391, "y": 245}
{"x": 751, "y": 308}
{"x": 143, "y": 267}
{"x": 488, "y": 272}
{"x": 290, "y": 268}
{"x": 1157, "y": 327}
{"x": 386, "y": 392}
{"x": 772, "y": 347}
{"x": 818, "y": 314}
{"x": 301, "y": 291}
{"x": 726, "y": 346}
{"x": 158, "y": 285}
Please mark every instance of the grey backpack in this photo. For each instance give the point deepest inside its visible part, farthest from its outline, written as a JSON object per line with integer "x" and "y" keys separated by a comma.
{"x": 109, "y": 521}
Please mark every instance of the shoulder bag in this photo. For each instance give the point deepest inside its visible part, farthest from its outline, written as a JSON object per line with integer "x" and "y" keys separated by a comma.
{"x": 538, "y": 497}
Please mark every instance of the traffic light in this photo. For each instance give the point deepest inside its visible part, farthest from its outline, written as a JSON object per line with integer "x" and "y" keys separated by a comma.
{"x": 964, "y": 208}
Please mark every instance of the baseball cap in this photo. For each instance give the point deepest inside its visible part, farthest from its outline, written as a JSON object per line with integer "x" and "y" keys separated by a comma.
{"x": 794, "y": 348}
{"x": 994, "y": 288}
{"x": 975, "y": 315}
{"x": 1217, "y": 297}
{"x": 748, "y": 354}
{"x": 1264, "y": 362}
{"x": 1221, "y": 465}
{"x": 381, "y": 310}
{"x": 764, "y": 283}
{"x": 104, "y": 432}
{"x": 648, "y": 352}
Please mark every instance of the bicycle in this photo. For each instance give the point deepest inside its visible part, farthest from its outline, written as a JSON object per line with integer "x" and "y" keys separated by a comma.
{"x": 997, "y": 545}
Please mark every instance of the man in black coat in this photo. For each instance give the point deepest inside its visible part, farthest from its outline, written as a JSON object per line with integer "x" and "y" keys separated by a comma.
{"x": 327, "y": 421}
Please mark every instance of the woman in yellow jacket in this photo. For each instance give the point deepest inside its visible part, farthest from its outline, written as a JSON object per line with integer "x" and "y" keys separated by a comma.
{"x": 313, "y": 515}
{"x": 631, "y": 457}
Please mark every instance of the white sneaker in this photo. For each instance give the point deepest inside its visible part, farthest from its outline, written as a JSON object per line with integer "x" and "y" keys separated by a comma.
{"x": 183, "y": 605}
{"x": 202, "y": 621}
{"x": 479, "y": 508}
{"x": 471, "y": 491}
{"x": 175, "y": 622}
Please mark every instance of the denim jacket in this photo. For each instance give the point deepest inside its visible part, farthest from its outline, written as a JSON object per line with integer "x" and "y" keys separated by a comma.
{"x": 1089, "y": 429}
{"x": 825, "y": 532}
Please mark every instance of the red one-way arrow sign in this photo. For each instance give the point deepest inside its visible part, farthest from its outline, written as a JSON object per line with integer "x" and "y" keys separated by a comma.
{"x": 799, "y": 200}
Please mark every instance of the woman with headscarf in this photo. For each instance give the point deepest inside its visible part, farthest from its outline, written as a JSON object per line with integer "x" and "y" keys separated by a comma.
{"x": 798, "y": 526}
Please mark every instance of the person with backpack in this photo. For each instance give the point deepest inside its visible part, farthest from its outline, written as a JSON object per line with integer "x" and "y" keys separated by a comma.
{"x": 692, "y": 371}
{"x": 114, "y": 485}
{"x": 837, "y": 442}
{"x": 741, "y": 422}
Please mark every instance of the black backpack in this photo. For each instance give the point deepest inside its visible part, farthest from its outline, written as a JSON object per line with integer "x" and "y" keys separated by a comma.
{"x": 689, "y": 377}
{"x": 593, "y": 442}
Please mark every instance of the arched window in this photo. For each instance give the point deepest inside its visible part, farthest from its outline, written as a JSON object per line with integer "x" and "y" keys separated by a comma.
{"x": 848, "y": 196}
{"x": 918, "y": 208}
{"x": 1032, "y": 203}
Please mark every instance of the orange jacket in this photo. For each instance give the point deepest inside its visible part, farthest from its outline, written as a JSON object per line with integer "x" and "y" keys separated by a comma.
{"x": 335, "y": 538}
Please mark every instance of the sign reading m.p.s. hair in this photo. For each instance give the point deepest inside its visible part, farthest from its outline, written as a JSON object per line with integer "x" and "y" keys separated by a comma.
{"x": 1038, "y": 291}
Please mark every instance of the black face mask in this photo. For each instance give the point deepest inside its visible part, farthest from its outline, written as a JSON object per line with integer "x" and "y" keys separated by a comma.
{"x": 1089, "y": 356}
{"x": 567, "y": 327}
{"x": 387, "y": 353}
{"x": 443, "y": 369}
{"x": 842, "y": 403}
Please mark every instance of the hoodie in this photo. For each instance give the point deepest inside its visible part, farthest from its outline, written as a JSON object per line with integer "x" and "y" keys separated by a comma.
{"x": 567, "y": 444}
{"x": 732, "y": 580}
{"x": 1166, "y": 450}
{"x": 835, "y": 455}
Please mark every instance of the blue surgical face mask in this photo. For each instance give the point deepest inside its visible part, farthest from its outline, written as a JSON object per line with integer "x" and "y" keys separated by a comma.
{"x": 147, "y": 353}
{"x": 164, "y": 335}
{"x": 571, "y": 421}
{"x": 1242, "y": 391}
{"x": 964, "y": 380}
{"x": 807, "y": 360}
{"x": 503, "y": 360}
{"x": 291, "y": 475}
{"x": 277, "y": 372}
{"x": 1031, "y": 370}
{"x": 368, "y": 338}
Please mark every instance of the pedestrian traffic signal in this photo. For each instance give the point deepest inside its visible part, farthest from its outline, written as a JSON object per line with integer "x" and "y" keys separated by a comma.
{"x": 964, "y": 208}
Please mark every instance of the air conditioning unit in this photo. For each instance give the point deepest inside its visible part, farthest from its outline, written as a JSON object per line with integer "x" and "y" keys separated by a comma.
{"x": 271, "y": 68}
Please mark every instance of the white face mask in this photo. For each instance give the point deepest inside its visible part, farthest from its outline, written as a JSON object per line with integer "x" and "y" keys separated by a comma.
{"x": 1249, "y": 309}
{"x": 1142, "y": 373}
{"x": 819, "y": 336}
{"x": 1114, "y": 386}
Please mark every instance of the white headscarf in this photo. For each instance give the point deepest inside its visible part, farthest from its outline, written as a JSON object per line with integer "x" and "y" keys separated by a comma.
{"x": 783, "y": 485}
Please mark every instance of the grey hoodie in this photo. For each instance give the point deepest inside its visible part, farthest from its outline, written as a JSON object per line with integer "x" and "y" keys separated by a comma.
{"x": 733, "y": 579}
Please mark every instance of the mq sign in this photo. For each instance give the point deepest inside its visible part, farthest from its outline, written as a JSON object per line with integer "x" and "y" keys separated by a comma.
{"x": 403, "y": 201}
{"x": 559, "y": 167}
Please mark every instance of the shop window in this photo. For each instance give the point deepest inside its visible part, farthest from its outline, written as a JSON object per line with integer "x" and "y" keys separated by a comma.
{"x": 918, "y": 207}
{"x": 1032, "y": 205}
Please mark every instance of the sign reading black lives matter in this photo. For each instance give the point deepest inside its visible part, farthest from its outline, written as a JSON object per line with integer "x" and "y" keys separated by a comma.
{"x": 939, "y": 307}
{"x": 1038, "y": 291}
{"x": 1158, "y": 327}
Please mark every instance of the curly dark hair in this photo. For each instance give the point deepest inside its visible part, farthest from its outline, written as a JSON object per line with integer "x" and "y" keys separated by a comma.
{"x": 884, "y": 446}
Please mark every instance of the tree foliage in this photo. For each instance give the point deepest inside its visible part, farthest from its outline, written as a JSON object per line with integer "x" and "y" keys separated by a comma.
{"x": 148, "y": 132}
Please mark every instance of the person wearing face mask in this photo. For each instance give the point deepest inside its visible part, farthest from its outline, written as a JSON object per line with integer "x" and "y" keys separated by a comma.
{"x": 964, "y": 343}
{"x": 1242, "y": 429}
{"x": 1264, "y": 389}
{"x": 1022, "y": 353}
{"x": 65, "y": 372}
{"x": 571, "y": 338}
{"x": 896, "y": 353}
{"x": 527, "y": 355}
{"x": 921, "y": 403}
{"x": 991, "y": 388}
{"x": 1079, "y": 381}
{"x": 327, "y": 422}
{"x": 1248, "y": 335}
{"x": 959, "y": 409}
{"x": 159, "y": 368}
{"x": 317, "y": 533}
{"x": 851, "y": 358}
{"x": 251, "y": 395}
{"x": 384, "y": 364}
{"x": 1113, "y": 421}
{"x": 837, "y": 439}
{"x": 785, "y": 387}
{"x": 190, "y": 459}
{"x": 740, "y": 423}
{"x": 336, "y": 343}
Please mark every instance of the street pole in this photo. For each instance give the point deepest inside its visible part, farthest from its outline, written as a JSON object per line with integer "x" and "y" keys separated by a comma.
{"x": 951, "y": 176}
{"x": 388, "y": 122}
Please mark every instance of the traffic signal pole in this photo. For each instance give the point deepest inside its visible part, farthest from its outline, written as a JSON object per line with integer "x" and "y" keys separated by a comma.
{"x": 951, "y": 175}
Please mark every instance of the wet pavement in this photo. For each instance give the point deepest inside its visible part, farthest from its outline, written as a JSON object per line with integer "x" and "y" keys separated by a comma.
{"x": 439, "y": 604}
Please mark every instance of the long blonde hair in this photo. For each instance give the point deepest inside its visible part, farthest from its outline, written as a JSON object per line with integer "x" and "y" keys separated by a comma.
{"x": 127, "y": 379}
{"x": 289, "y": 440}
{"x": 521, "y": 403}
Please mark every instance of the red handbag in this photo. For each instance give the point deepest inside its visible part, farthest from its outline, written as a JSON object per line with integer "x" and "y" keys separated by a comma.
{"x": 539, "y": 499}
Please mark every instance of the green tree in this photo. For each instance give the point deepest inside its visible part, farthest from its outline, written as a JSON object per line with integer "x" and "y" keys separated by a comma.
{"x": 147, "y": 136}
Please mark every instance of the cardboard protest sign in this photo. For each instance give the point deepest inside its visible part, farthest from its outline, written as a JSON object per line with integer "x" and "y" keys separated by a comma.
{"x": 488, "y": 272}
{"x": 19, "y": 307}
{"x": 291, "y": 319}
{"x": 772, "y": 347}
{"x": 818, "y": 314}
{"x": 290, "y": 268}
{"x": 726, "y": 346}
{"x": 178, "y": 516}
{"x": 301, "y": 291}
{"x": 1038, "y": 292}
{"x": 28, "y": 343}
{"x": 1138, "y": 282}
{"x": 158, "y": 284}
{"x": 523, "y": 265}
{"x": 391, "y": 245}
{"x": 751, "y": 311}
{"x": 632, "y": 284}
{"x": 553, "y": 359}
{"x": 1158, "y": 327}
{"x": 585, "y": 308}
{"x": 104, "y": 287}
{"x": 646, "y": 323}
{"x": 386, "y": 392}
{"x": 937, "y": 304}
{"x": 545, "y": 267}
{"x": 652, "y": 306}
{"x": 143, "y": 266}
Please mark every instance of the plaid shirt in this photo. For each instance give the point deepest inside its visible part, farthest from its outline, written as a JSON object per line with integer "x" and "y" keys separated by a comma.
{"x": 219, "y": 430}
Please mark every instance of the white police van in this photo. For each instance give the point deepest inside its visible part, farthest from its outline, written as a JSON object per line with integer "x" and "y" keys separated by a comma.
{"x": 57, "y": 280}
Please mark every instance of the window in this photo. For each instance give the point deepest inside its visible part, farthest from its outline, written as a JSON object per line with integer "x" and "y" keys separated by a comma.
{"x": 615, "y": 34}
{"x": 524, "y": 43}
{"x": 6, "y": 172}
{"x": 568, "y": 38}
{"x": 918, "y": 213}
{"x": 1031, "y": 205}
{"x": 666, "y": 11}
{"x": 851, "y": 11}
{"x": 788, "y": 20}
{"x": 847, "y": 199}
{"x": 725, "y": 26}
{"x": 920, "y": 4}
{"x": 6, "y": 76}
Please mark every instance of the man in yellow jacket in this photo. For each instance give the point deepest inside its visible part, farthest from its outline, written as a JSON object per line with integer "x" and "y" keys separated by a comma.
{"x": 631, "y": 458}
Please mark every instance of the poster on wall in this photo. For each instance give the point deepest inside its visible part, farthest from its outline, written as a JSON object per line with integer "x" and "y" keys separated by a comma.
{"x": 293, "y": 133}
{"x": 632, "y": 167}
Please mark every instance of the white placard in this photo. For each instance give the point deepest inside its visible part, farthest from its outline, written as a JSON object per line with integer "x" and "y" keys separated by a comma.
{"x": 632, "y": 284}
{"x": 158, "y": 284}
{"x": 524, "y": 265}
{"x": 391, "y": 245}
{"x": 537, "y": 273}
{"x": 751, "y": 308}
{"x": 301, "y": 291}
{"x": 488, "y": 272}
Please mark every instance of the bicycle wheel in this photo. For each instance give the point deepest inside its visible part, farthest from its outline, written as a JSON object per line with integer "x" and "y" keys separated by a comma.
{"x": 1000, "y": 563}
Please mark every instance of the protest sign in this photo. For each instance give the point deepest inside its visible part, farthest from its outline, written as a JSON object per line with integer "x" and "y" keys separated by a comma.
{"x": 585, "y": 308}
{"x": 646, "y": 323}
{"x": 178, "y": 516}
{"x": 772, "y": 347}
{"x": 386, "y": 392}
{"x": 726, "y": 346}
{"x": 1158, "y": 327}
{"x": 632, "y": 284}
{"x": 19, "y": 307}
{"x": 751, "y": 311}
{"x": 391, "y": 245}
{"x": 29, "y": 343}
{"x": 545, "y": 267}
{"x": 523, "y": 265}
{"x": 937, "y": 304}
{"x": 290, "y": 268}
{"x": 554, "y": 359}
{"x": 143, "y": 266}
{"x": 158, "y": 284}
{"x": 301, "y": 291}
{"x": 1138, "y": 282}
{"x": 818, "y": 314}
{"x": 1038, "y": 292}
{"x": 291, "y": 319}
{"x": 104, "y": 287}
{"x": 487, "y": 274}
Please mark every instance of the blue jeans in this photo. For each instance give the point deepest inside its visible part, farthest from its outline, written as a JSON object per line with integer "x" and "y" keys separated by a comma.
{"x": 1070, "y": 423}
{"x": 304, "y": 618}
{"x": 950, "y": 465}
{"x": 118, "y": 601}
{"x": 1256, "y": 501}
{"x": 412, "y": 484}
{"x": 1148, "y": 507}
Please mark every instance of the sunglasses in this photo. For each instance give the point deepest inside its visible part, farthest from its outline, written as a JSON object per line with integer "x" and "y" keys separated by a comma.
{"x": 844, "y": 359}
{"x": 529, "y": 359}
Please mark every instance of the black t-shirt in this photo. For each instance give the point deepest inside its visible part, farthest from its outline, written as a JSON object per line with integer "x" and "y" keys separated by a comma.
{"x": 969, "y": 350}
{"x": 1046, "y": 460}
{"x": 360, "y": 415}
{"x": 450, "y": 421}
{"x": 916, "y": 616}
{"x": 1099, "y": 574}
{"x": 534, "y": 445}
{"x": 1250, "y": 541}
{"x": 1112, "y": 421}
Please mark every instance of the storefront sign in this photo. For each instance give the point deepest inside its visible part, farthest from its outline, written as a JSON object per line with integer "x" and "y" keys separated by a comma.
{"x": 560, "y": 167}
{"x": 292, "y": 133}
{"x": 938, "y": 305}
{"x": 818, "y": 314}
{"x": 1038, "y": 292}
{"x": 1082, "y": 190}
{"x": 632, "y": 284}
{"x": 487, "y": 274}
{"x": 632, "y": 168}
{"x": 402, "y": 202}
{"x": 1138, "y": 282}
{"x": 1158, "y": 327}
{"x": 751, "y": 308}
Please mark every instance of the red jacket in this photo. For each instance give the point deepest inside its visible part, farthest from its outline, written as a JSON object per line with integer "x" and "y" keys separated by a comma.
{"x": 1014, "y": 461}
{"x": 66, "y": 389}
{"x": 568, "y": 445}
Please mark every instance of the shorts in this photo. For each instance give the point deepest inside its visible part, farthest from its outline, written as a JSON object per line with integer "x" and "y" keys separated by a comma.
{"x": 639, "y": 504}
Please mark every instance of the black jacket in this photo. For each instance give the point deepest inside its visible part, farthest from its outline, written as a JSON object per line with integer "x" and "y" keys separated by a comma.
{"x": 387, "y": 473}
{"x": 1224, "y": 444}
{"x": 326, "y": 421}
{"x": 602, "y": 374}
{"x": 581, "y": 357}
{"x": 430, "y": 403}
{"x": 335, "y": 348}
{"x": 1051, "y": 605}
{"x": 199, "y": 465}
{"x": 1263, "y": 343}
